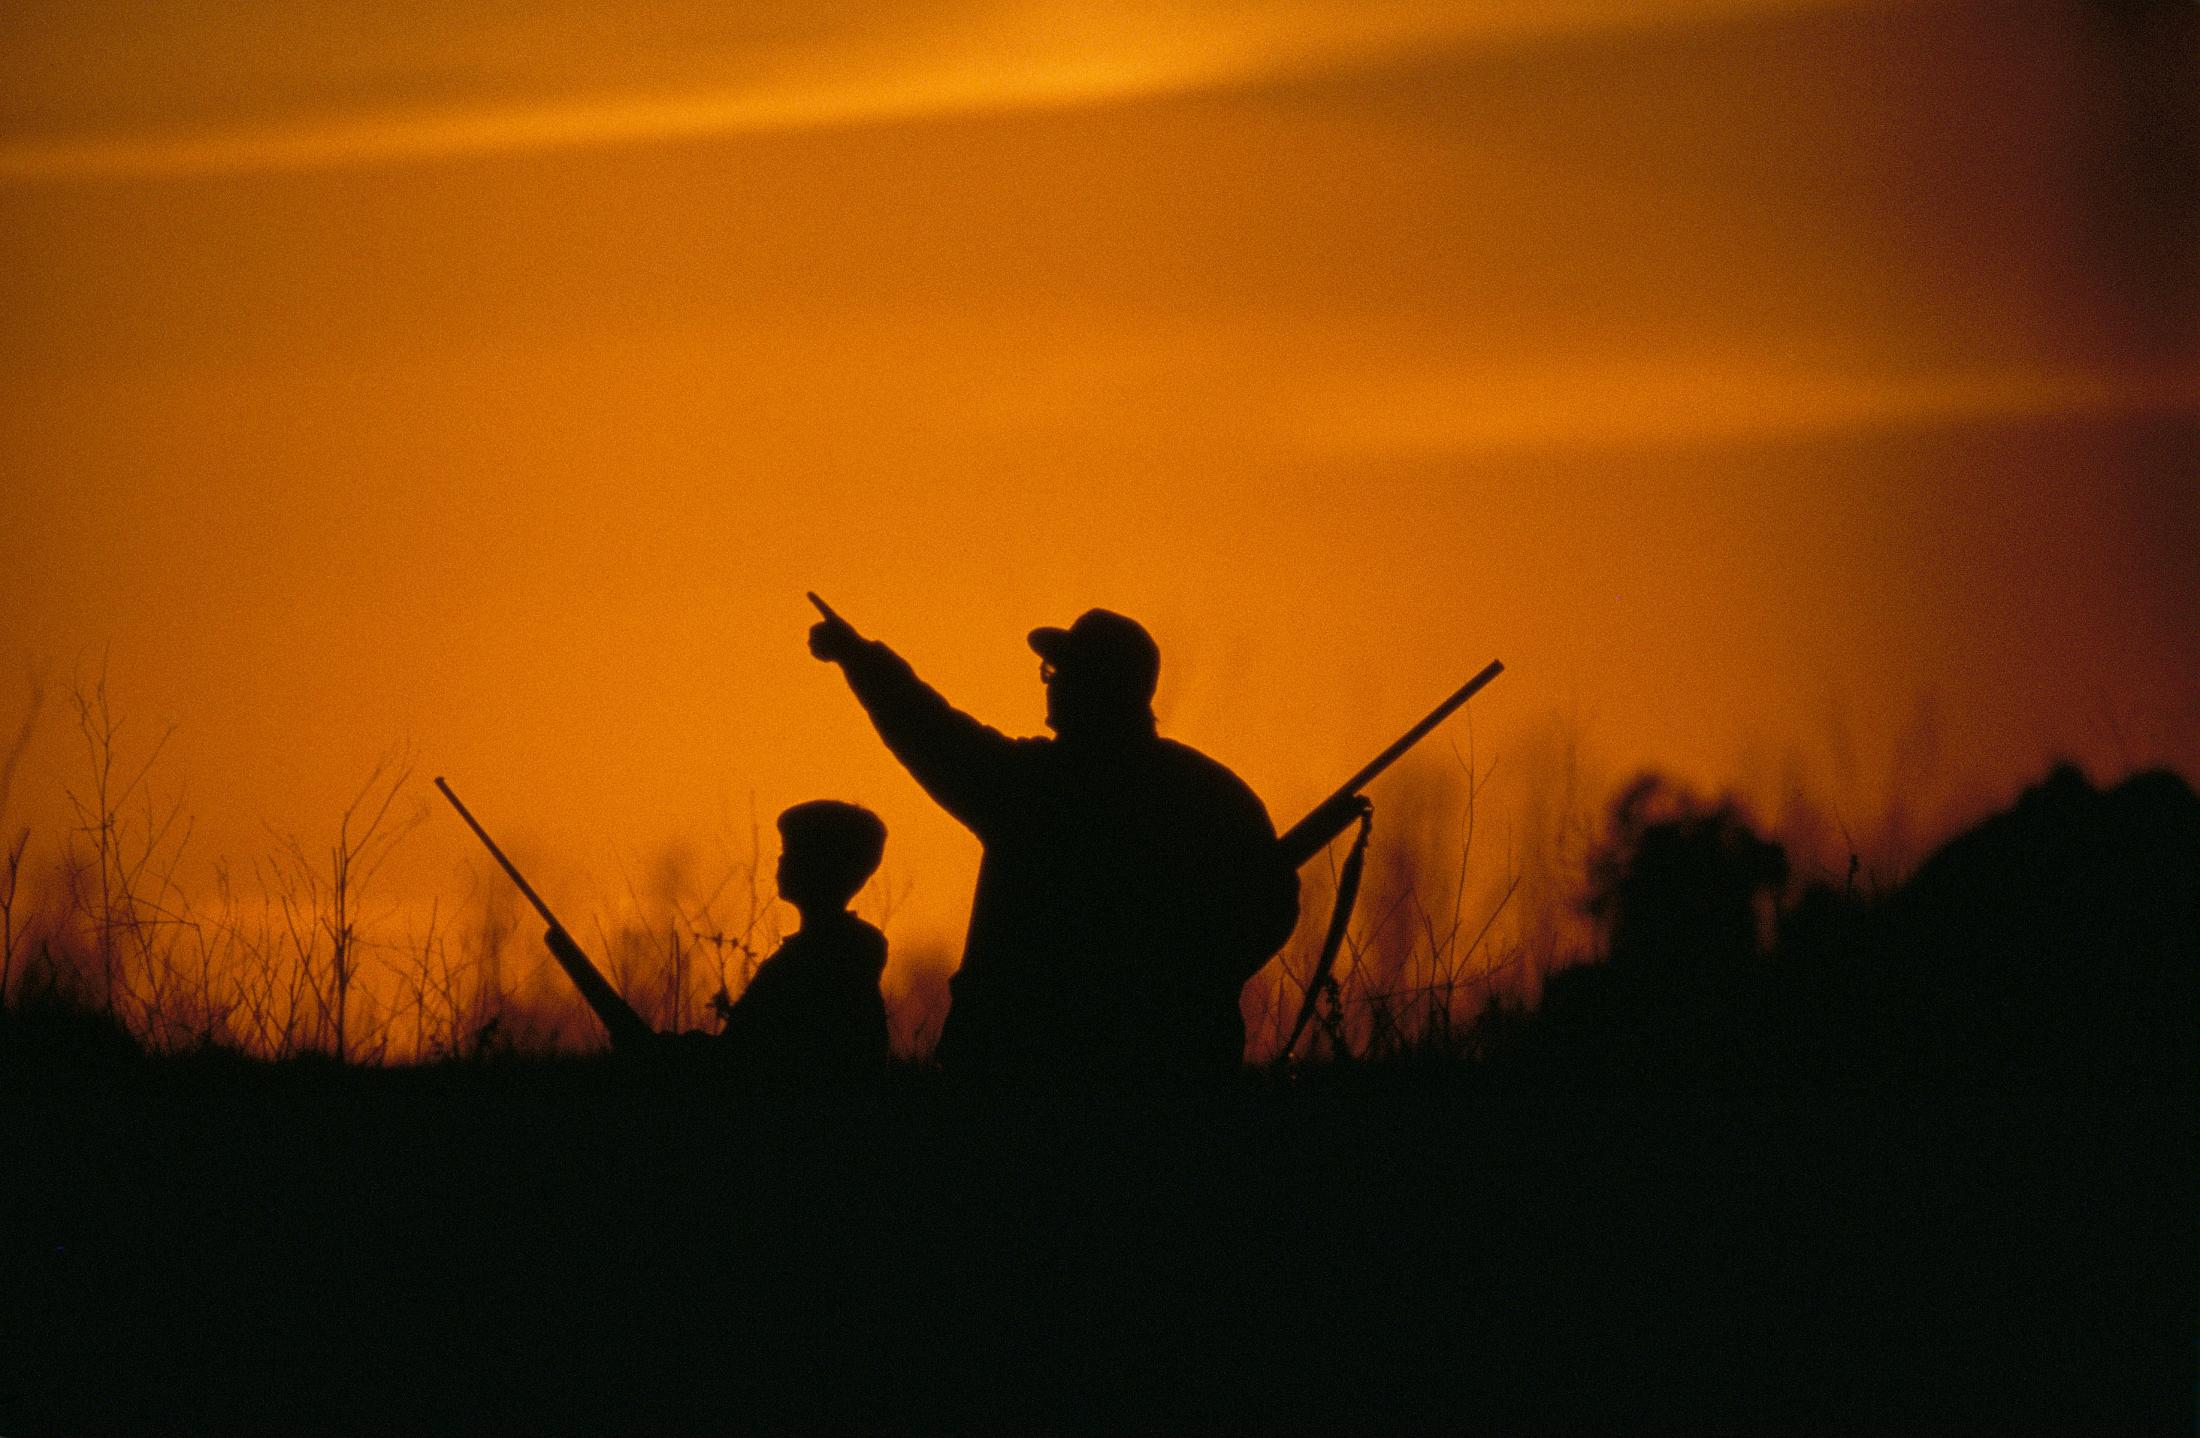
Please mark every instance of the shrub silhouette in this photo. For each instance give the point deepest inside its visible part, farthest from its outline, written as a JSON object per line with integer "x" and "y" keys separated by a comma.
{"x": 1682, "y": 890}
{"x": 2065, "y": 930}
{"x": 1681, "y": 884}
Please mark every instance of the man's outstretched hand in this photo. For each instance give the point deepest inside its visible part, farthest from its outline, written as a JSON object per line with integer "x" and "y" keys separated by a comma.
{"x": 833, "y": 639}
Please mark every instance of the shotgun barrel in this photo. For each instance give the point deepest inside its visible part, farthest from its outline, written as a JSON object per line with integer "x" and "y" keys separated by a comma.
{"x": 1333, "y": 815}
{"x": 627, "y": 1028}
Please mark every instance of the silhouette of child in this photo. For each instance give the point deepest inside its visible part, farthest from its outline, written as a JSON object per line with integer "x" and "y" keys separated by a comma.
{"x": 812, "y": 1011}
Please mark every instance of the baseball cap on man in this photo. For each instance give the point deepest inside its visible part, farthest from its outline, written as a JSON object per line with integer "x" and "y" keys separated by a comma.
{"x": 1104, "y": 646}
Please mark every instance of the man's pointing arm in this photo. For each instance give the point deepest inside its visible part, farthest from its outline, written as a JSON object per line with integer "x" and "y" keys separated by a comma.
{"x": 960, "y": 762}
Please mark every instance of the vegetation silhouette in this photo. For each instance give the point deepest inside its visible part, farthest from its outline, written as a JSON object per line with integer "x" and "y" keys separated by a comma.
{"x": 1777, "y": 1160}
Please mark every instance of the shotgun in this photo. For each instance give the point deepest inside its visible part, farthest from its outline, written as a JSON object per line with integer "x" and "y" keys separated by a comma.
{"x": 628, "y": 1030}
{"x": 1333, "y": 815}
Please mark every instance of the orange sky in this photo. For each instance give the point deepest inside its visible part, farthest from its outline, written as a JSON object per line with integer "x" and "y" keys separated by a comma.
{"x": 1752, "y": 378}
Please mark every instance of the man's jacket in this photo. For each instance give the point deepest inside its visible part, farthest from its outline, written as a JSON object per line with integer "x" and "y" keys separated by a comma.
{"x": 1130, "y": 887}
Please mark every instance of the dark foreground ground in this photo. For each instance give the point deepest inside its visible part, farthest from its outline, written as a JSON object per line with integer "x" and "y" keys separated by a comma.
{"x": 572, "y": 1248}
{"x": 1925, "y": 1166}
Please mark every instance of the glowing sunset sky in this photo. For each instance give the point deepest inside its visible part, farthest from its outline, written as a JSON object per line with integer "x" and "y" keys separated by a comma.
{"x": 1752, "y": 378}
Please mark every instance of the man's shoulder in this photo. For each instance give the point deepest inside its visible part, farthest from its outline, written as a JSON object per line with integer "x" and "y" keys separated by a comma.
{"x": 1209, "y": 776}
{"x": 1026, "y": 758}
{"x": 1194, "y": 761}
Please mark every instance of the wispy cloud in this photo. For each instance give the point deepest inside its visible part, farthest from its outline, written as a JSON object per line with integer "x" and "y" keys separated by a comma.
{"x": 607, "y": 83}
{"x": 1683, "y": 401}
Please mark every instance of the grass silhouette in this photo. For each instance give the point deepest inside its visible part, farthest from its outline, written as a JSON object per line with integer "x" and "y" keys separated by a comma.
{"x": 1789, "y": 1154}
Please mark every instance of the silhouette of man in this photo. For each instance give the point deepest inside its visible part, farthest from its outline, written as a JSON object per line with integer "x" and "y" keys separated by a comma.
{"x": 1130, "y": 884}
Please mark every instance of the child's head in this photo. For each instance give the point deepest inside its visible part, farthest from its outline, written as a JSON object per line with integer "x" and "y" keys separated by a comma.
{"x": 827, "y": 850}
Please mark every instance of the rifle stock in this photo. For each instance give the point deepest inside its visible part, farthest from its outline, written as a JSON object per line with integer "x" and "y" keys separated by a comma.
{"x": 627, "y": 1028}
{"x": 1333, "y": 815}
